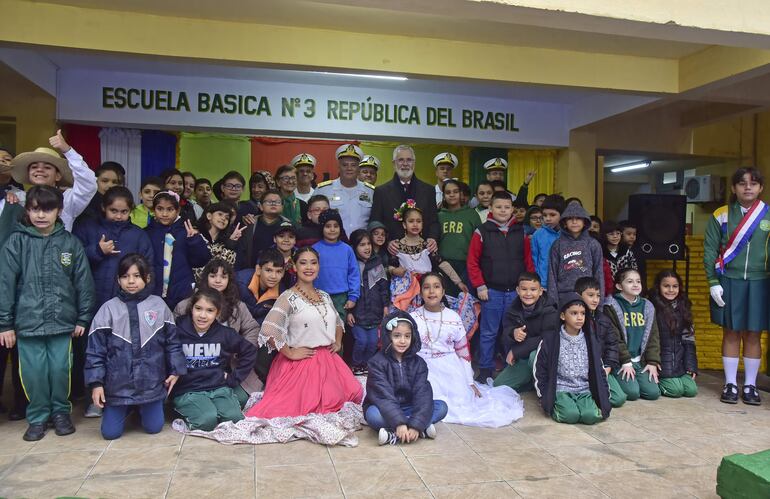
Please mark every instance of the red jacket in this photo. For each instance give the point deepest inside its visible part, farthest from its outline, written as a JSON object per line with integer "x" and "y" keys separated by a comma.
{"x": 475, "y": 273}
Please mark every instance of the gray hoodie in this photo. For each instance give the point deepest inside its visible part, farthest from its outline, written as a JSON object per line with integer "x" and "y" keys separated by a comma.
{"x": 572, "y": 258}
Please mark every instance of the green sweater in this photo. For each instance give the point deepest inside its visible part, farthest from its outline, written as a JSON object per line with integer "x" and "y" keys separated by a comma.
{"x": 751, "y": 263}
{"x": 457, "y": 228}
{"x": 634, "y": 321}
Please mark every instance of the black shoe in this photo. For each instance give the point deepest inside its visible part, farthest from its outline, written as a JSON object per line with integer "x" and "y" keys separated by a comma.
{"x": 750, "y": 395}
{"x": 17, "y": 414}
{"x": 481, "y": 378}
{"x": 729, "y": 394}
{"x": 63, "y": 424}
{"x": 35, "y": 432}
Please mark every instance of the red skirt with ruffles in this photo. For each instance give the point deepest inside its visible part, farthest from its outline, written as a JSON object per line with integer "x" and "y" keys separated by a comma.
{"x": 320, "y": 384}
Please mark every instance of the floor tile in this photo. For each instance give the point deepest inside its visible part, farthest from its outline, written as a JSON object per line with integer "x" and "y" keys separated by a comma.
{"x": 12, "y": 443}
{"x": 298, "y": 452}
{"x": 236, "y": 483}
{"x": 557, "y": 435}
{"x": 453, "y": 470}
{"x": 446, "y": 442}
{"x": 697, "y": 480}
{"x": 7, "y": 462}
{"x": 377, "y": 476}
{"x": 137, "y": 439}
{"x": 136, "y": 461}
{"x": 87, "y": 439}
{"x": 36, "y": 488}
{"x": 713, "y": 449}
{"x": 471, "y": 490}
{"x": 656, "y": 454}
{"x": 594, "y": 458}
{"x": 421, "y": 493}
{"x": 495, "y": 439}
{"x": 524, "y": 464}
{"x": 125, "y": 486}
{"x": 302, "y": 480}
{"x": 617, "y": 430}
{"x": 641, "y": 483}
{"x": 368, "y": 449}
{"x": 560, "y": 487}
{"x": 220, "y": 458}
{"x": 54, "y": 466}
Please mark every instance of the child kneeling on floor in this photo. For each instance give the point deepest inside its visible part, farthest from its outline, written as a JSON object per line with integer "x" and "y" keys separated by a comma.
{"x": 569, "y": 376}
{"x": 134, "y": 357}
{"x": 204, "y": 396}
{"x": 399, "y": 400}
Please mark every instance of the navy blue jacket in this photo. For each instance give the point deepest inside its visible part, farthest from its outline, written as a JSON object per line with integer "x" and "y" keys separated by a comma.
{"x": 209, "y": 357}
{"x": 542, "y": 321}
{"x": 392, "y": 385}
{"x": 132, "y": 348}
{"x": 375, "y": 293}
{"x": 188, "y": 252}
{"x": 128, "y": 238}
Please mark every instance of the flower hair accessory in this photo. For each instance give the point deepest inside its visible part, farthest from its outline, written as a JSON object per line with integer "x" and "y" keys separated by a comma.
{"x": 393, "y": 323}
{"x": 170, "y": 193}
{"x": 409, "y": 204}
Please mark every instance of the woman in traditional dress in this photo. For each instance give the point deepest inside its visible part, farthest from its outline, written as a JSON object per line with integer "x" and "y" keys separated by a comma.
{"x": 445, "y": 349}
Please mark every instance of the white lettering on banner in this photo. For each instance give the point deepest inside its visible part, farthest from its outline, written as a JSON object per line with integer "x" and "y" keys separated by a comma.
{"x": 146, "y": 100}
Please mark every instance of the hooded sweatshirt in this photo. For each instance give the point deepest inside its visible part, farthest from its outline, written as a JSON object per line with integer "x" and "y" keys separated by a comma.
{"x": 573, "y": 257}
{"x": 393, "y": 384}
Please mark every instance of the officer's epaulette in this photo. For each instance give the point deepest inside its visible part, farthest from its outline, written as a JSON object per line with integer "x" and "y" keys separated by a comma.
{"x": 324, "y": 183}
{"x": 371, "y": 186}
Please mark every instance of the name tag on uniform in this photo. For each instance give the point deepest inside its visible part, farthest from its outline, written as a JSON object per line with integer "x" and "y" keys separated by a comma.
{"x": 336, "y": 198}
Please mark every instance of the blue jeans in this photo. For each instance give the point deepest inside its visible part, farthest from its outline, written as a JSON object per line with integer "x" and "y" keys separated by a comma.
{"x": 114, "y": 418}
{"x": 365, "y": 345}
{"x": 376, "y": 421}
{"x": 492, "y": 312}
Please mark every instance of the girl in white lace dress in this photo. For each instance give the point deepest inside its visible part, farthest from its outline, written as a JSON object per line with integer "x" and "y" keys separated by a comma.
{"x": 445, "y": 349}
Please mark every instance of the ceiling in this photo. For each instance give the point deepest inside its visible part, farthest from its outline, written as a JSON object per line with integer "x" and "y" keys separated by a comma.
{"x": 138, "y": 64}
{"x": 384, "y": 17}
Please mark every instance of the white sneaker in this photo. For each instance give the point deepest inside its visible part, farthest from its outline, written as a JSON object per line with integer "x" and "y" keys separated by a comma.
{"x": 386, "y": 437}
{"x": 430, "y": 432}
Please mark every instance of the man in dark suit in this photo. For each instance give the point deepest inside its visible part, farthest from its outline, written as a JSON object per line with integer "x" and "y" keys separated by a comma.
{"x": 405, "y": 185}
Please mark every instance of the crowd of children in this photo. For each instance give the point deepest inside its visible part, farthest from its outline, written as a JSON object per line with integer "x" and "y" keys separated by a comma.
{"x": 263, "y": 291}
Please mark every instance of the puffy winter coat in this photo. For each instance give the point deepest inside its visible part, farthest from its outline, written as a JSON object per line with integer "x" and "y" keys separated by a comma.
{"x": 132, "y": 348}
{"x": 128, "y": 238}
{"x": 547, "y": 364}
{"x": 375, "y": 293}
{"x": 188, "y": 252}
{"x": 542, "y": 321}
{"x": 606, "y": 334}
{"x": 392, "y": 384}
{"x": 46, "y": 286}
{"x": 650, "y": 340}
{"x": 677, "y": 346}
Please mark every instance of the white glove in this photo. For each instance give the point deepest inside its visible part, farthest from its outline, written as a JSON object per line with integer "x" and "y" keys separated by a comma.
{"x": 716, "y": 294}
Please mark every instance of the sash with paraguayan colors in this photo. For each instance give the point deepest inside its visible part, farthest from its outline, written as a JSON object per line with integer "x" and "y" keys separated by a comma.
{"x": 741, "y": 235}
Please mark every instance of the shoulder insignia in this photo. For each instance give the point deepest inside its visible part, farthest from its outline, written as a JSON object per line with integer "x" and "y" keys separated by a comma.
{"x": 324, "y": 183}
{"x": 368, "y": 185}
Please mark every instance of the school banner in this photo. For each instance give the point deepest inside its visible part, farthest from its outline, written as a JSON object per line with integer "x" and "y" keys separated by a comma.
{"x": 275, "y": 108}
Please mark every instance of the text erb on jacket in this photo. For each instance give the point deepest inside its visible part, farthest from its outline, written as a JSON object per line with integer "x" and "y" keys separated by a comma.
{"x": 541, "y": 320}
{"x": 209, "y": 357}
{"x": 650, "y": 346}
{"x": 392, "y": 384}
{"x": 132, "y": 348}
{"x": 547, "y": 364}
{"x": 46, "y": 286}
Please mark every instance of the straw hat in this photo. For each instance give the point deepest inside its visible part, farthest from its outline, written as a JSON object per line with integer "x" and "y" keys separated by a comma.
{"x": 21, "y": 164}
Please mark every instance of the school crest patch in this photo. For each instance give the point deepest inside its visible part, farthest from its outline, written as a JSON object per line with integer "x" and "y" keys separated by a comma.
{"x": 66, "y": 259}
{"x": 764, "y": 225}
{"x": 365, "y": 198}
{"x": 151, "y": 317}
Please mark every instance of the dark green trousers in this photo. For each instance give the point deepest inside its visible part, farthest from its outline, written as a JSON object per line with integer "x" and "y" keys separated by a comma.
{"x": 206, "y": 409}
{"x": 45, "y": 365}
{"x": 575, "y": 408}
{"x": 519, "y": 375}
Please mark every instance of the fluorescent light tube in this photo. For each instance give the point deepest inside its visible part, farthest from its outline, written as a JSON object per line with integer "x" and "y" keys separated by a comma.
{"x": 356, "y": 75}
{"x": 630, "y": 166}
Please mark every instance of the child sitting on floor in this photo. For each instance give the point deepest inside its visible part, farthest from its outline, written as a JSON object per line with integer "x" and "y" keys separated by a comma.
{"x": 399, "y": 400}
{"x": 639, "y": 341}
{"x": 604, "y": 332}
{"x": 133, "y": 363}
{"x": 569, "y": 377}
{"x": 678, "y": 359}
{"x": 204, "y": 396}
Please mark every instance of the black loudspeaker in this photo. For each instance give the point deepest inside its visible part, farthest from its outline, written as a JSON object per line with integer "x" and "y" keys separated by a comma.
{"x": 660, "y": 222}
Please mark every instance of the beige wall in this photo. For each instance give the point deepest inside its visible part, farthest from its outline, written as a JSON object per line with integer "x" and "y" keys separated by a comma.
{"x": 33, "y": 110}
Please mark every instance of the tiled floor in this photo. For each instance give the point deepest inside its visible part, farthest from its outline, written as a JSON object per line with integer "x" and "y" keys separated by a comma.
{"x": 667, "y": 448}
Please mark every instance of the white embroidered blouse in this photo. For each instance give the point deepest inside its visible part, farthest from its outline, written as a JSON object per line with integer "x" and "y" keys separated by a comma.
{"x": 296, "y": 322}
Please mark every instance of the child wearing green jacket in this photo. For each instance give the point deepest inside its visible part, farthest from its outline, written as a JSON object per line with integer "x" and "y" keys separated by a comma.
{"x": 457, "y": 224}
{"x": 46, "y": 298}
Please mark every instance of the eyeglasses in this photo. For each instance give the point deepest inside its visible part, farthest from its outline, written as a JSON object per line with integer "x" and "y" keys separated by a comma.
{"x": 536, "y": 219}
{"x": 288, "y": 179}
{"x": 273, "y": 202}
{"x": 233, "y": 187}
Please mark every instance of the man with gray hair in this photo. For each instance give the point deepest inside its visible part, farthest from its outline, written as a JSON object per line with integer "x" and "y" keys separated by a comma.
{"x": 405, "y": 185}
